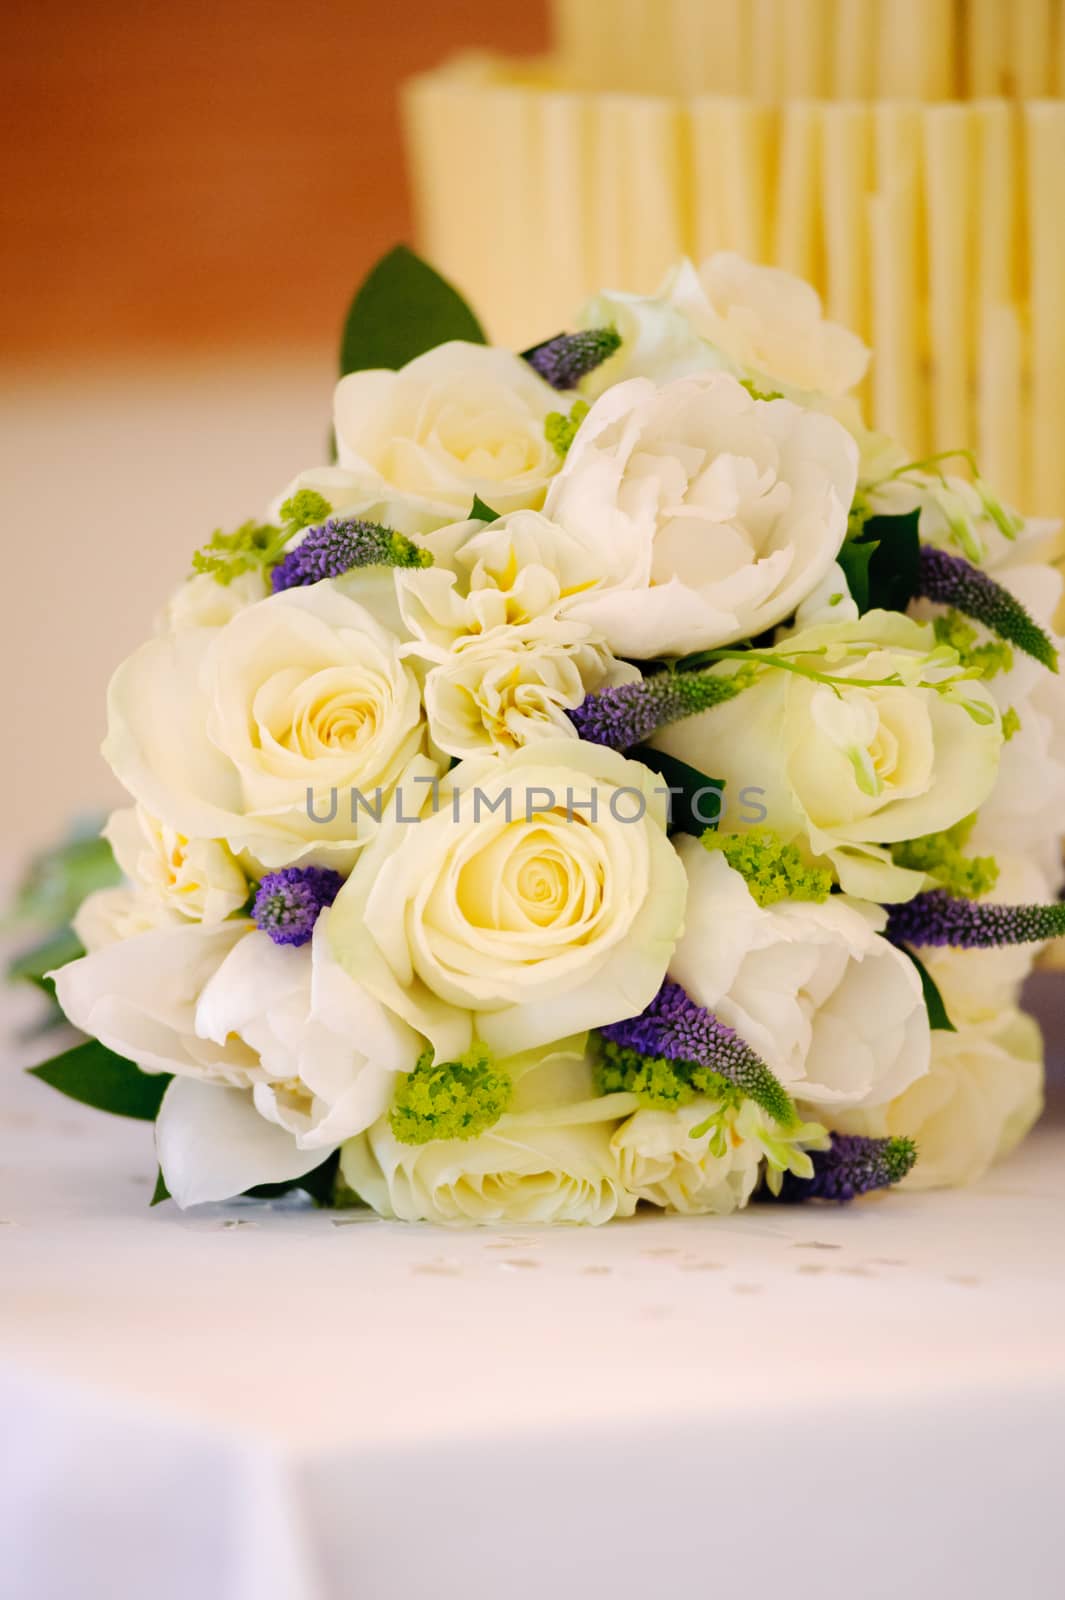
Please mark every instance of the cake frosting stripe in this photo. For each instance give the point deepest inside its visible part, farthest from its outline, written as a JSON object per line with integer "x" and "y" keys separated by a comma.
{"x": 934, "y": 230}
{"x": 1045, "y": 135}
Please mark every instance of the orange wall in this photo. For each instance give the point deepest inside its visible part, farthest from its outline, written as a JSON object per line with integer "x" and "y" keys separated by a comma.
{"x": 215, "y": 172}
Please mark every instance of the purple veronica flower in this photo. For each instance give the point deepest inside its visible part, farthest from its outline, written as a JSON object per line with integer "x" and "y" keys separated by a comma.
{"x": 566, "y": 359}
{"x": 287, "y": 903}
{"x": 341, "y": 543}
{"x": 953, "y": 581}
{"x": 853, "y": 1165}
{"x": 675, "y": 1027}
{"x": 631, "y": 712}
{"x": 940, "y": 918}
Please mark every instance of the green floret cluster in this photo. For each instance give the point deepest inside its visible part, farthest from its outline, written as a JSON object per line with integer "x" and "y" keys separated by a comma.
{"x": 942, "y": 856}
{"x": 303, "y": 509}
{"x": 560, "y": 427}
{"x": 772, "y": 869}
{"x": 258, "y": 545}
{"x": 226, "y": 555}
{"x": 982, "y": 660}
{"x": 449, "y": 1100}
{"x": 660, "y": 1084}
{"x": 1011, "y": 723}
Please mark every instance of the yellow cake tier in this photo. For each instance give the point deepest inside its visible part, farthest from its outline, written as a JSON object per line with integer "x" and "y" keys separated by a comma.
{"x": 937, "y": 231}
{"x": 825, "y": 49}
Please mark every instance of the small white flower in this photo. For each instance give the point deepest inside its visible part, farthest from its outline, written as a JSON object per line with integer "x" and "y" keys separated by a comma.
{"x": 715, "y": 514}
{"x": 203, "y": 602}
{"x": 514, "y": 684}
{"x": 197, "y": 878}
{"x": 835, "y": 1010}
{"x": 706, "y": 1157}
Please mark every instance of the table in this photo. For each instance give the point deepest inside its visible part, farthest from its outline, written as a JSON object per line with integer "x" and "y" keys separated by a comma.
{"x": 265, "y": 1402}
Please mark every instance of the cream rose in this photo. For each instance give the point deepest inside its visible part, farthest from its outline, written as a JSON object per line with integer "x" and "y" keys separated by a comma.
{"x": 295, "y": 1038}
{"x": 540, "y": 898}
{"x": 516, "y": 684}
{"x": 707, "y": 1157}
{"x": 240, "y": 733}
{"x": 461, "y": 420}
{"x": 849, "y": 770}
{"x": 983, "y": 1094}
{"x": 715, "y": 514}
{"x": 548, "y": 1159}
{"x": 835, "y": 1010}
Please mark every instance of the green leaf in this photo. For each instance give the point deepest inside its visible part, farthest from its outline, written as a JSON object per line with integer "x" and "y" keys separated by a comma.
{"x": 479, "y": 512}
{"x": 160, "y": 1192}
{"x": 97, "y": 1077}
{"x": 693, "y": 808}
{"x": 854, "y": 558}
{"x": 883, "y": 563}
{"x": 402, "y": 310}
{"x": 938, "y": 1019}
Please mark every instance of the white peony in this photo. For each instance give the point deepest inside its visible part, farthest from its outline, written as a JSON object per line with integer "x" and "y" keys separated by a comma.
{"x": 515, "y": 684}
{"x": 540, "y": 898}
{"x": 307, "y": 1047}
{"x": 715, "y": 514}
{"x": 983, "y": 1094}
{"x": 835, "y": 1010}
{"x": 548, "y": 1159}
{"x": 461, "y": 420}
{"x": 845, "y": 770}
{"x": 707, "y": 1156}
{"x": 239, "y": 733}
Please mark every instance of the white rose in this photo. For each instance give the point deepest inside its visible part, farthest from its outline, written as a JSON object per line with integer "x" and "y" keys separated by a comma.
{"x": 527, "y": 927}
{"x": 716, "y": 514}
{"x": 240, "y": 732}
{"x": 657, "y": 340}
{"x": 514, "y": 571}
{"x": 306, "y": 1047}
{"x": 707, "y": 1156}
{"x": 983, "y": 1094}
{"x": 851, "y": 770}
{"x": 203, "y": 602}
{"x": 768, "y": 323}
{"x": 834, "y": 1009}
{"x": 197, "y": 878}
{"x": 461, "y": 420}
{"x": 515, "y": 684}
{"x": 548, "y": 1159}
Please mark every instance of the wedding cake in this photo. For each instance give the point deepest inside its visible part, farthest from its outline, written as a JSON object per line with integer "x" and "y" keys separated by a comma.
{"x": 906, "y": 156}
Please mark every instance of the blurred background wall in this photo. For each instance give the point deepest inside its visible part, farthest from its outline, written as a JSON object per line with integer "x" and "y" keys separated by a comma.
{"x": 189, "y": 194}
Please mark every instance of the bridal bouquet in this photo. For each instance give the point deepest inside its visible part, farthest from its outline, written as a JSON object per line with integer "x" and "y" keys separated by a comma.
{"x": 620, "y": 777}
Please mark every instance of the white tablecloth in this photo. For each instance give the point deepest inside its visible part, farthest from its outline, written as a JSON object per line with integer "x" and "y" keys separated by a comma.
{"x": 266, "y": 1402}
